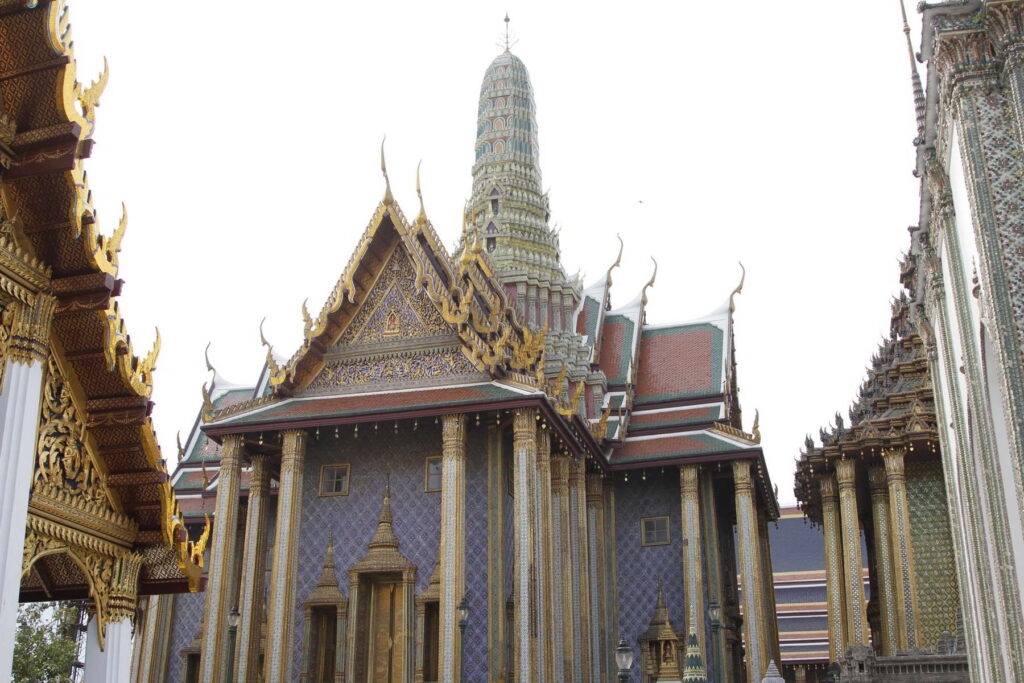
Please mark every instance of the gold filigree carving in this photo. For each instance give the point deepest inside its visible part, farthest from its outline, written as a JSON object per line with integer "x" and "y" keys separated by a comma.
{"x": 62, "y": 459}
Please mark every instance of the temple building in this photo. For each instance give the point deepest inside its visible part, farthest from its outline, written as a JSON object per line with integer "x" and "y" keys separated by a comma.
{"x": 475, "y": 468}
{"x": 86, "y": 502}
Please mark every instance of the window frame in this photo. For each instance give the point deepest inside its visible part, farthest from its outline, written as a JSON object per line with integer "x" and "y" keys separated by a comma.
{"x": 643, "y": 531}
{"x": 348, "y": 479}
{"x": 426, "y": 474}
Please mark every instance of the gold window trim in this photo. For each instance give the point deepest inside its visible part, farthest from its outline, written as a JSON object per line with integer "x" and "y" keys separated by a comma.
{"x": 426, "y": 473}
{"x": 348, "y": 479}
{"x": 668, "y": 531}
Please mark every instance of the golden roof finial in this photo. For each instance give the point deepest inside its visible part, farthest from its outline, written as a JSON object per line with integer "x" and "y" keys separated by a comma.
{"x": 422, "y": 218}
{"x": 738, "y": 290}
{"x": 384, "y": 170}
{"x": 181, "y": 449}
{"x": 650, "y": 283}
{"x": 618, "y": 262}
{"x": 756, "y": 429}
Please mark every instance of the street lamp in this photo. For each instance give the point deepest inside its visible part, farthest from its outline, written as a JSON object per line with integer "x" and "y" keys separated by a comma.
{"x": 624, "y": 659}
{"x": 232, "y": 629}
{"x": 715, "y": 615}
{"x": 463, "y": 613}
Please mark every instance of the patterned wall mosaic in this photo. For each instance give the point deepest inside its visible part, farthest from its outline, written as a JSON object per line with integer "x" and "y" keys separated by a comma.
{"x": 476, "y": 555}
{"x": 188, "y": 612}
{"x": 937, "y": 594}
{"x": 641, "y": 568}
{"x": 353, "y": 518}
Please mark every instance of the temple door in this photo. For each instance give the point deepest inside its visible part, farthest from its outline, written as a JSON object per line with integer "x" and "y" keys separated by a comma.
{"x": 386, "y": 632}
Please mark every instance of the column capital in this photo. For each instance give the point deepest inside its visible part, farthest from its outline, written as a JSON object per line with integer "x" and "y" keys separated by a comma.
{"x": 965, "y": 57}
{"x": 829, "y": 490}
{"x": 523, "y": 420}
{"x": 688, "y": 479}
{"x": 741, "y": 475}
{"x": 453, "y": 428}
{"x": 595, "y": 488}
{"x": 231, "y": 449}
{"x": 30, "y": 330}
{"x": 260, "y": 479}
{"x": 894, "y": 463}
{"x": 293, "y": 444}
{"x": 846, "y": 472}
{"x": 877, "y": 481}
{"x": 1005, "y": 24}
{"x": 543, "y": 446}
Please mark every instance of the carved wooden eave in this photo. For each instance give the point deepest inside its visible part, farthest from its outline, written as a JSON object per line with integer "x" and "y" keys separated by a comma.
{"x": 58, "y": 289}
{"x": 466, "y": 293}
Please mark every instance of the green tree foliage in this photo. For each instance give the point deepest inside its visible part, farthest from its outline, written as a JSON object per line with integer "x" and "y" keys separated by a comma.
{"x": 45, "y": 647}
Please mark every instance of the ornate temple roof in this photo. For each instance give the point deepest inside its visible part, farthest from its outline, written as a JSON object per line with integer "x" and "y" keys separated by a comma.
{"x": 97, "y": 386}
{"x": 894, "y": 408}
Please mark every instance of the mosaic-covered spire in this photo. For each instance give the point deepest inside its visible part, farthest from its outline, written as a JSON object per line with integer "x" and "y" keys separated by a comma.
{"x": 508, "y": 205}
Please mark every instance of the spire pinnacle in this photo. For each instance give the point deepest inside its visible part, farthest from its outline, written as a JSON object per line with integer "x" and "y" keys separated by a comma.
{"x": 919, "y": 100}
{"x": 423, "y": 212}
{"x": 507, "y": 46}
{"x": 384, "y": 170}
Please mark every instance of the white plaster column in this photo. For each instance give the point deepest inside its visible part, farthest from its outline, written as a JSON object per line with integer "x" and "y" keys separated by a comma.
{"x": 23, "y": 370}
{"x": 19, "y": 418}
{"x": 453, "y": 539}
{"x": 114, "y": 664}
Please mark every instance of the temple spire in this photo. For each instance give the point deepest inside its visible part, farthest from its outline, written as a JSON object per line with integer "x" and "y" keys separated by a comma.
{"x": 919, "y": 100}
{"x": 507, "y": 46}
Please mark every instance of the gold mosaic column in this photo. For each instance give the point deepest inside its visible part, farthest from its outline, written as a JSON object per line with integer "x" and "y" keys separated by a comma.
{"x": 693, "y": 570}
{"x": 281, "y": 620}
{"x": 453, "y": 538}
{"x": 578, "y": 524}
{"x": 546, "y": 635}
{"x": 834, "y": 578}
{"x": 599, "y": 620}
{"x": 524, "y": 453}
{"x": 219, "y": 599}
{"x": 856, "y": 620}
{"x": 771, "y": 621}
{"x": 496, "y": 594}
{"x": 885, "y": 579}
{"x": 253, "y": 559}
{"x": 748, "y": 545}
{"x": 565, "y": 602}
{"x": 902, "y": 550}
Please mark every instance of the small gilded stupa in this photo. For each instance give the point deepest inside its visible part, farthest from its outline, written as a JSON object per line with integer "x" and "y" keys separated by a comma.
{"x": 693, "y": 668}
{"x": 661, "y": 645}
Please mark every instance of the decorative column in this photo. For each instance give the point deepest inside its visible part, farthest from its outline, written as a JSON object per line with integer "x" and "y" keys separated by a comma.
{"x": 599, "y": 621}
{"x": 453, "y": 539}
{"x": 856, "y": 620}
{"x": 564, "y": 597}
{"x": 902, "y": 550}
{"x": 253, "y": 571}
{"x": 152, "y": 647}
{"x": 693, "y": 570}
{"x": 719, "y": 662}
{"x": 108, "y": 644}
{"x": 885, "y": 579}
{"x": 524, "y": 446}
{"x": 771, "y": 621}
{"x": 21, "y": 371}
{"x": 577, "y": 549}
{"x": 219, "y": 599}
{"x": 834, "y": 578}
{"x": 496, "y": 594}
{"x": 281, "y": 620}
{"x": 755, "y": 634}
{"x": 546, "y": 635}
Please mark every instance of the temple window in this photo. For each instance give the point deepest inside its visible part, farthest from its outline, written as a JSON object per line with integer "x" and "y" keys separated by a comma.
{"x": 324, "y": 639}
{"x": 432, "y": 474}
{"x": 494, "y": 207}
{"x": 492, "y": 244}
{"x": 334, "y": 480}
{"x": 192, "y": 667}
{"x": 499, "y": 146}
{"x": 654, "y": 531}
{"x": 431, "y": 642}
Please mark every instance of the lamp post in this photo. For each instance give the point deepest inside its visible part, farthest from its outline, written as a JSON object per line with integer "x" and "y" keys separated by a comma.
{"x": 232, "y": 629}
{"x": 715, "y": 615}
{"x": 624, "y": 660}
{"x": 463, "y": 611}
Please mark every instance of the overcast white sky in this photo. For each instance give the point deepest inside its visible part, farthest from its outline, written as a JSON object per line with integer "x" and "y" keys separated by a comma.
{"x": 243, "y": 138}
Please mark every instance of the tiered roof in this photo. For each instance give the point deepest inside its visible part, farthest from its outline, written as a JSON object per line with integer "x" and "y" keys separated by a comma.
{"x": 895, "y": 407}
